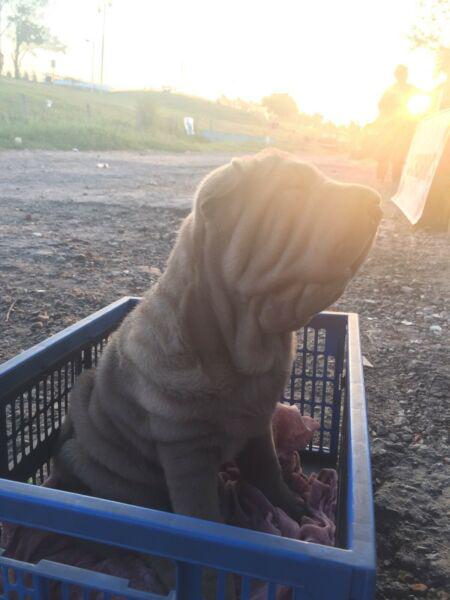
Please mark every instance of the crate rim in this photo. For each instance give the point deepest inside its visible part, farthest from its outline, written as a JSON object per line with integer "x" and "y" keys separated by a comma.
{"x": 37, "y": 357}
{"x": 73, "y": 514}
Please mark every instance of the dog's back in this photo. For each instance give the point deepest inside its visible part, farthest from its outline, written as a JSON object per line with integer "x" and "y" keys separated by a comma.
{"x": 100, "y": 448}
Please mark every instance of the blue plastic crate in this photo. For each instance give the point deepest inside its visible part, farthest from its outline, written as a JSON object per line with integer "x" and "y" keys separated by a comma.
{"x": 327, "y": 383}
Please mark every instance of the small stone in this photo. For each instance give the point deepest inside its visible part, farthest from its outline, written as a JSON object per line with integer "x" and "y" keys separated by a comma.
{"x": 398, "y": 446}
{"x": 155, "y": 271}
{"x": 432, "y": 556}
{"x": 418, "y": 587}
{"x": 378, "y": 448}
{"x": 37, "y": 234}
{"x": 406, "y": 289}
{"x": 405, "y": 576}
{"x": 436, "y": 329}
{"x": 36, "y": 326}
{"x": 40, "y": 291}
{"x": 366, "y": 362}
{"x": 28, "y": 217}
{"x": 407, "y": 323}
{"x": 408, "y": 561}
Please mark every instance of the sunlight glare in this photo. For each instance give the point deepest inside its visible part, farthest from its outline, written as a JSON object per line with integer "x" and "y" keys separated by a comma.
{"x": 419, "y": 104}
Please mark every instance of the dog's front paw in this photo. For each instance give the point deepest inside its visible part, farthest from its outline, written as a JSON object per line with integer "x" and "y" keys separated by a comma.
{"x": 292, "y": 504}
{"x": 295, "y": 507}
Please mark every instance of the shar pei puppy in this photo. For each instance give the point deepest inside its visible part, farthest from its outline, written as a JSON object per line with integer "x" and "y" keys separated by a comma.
{"x": 191, "y": 378}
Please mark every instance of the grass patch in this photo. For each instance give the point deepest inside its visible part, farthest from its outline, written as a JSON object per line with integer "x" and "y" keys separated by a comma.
{"x": 55, "y": 117}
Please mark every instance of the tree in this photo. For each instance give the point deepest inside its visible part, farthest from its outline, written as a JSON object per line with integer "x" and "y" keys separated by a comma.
{"x": 432, "y": 29}
{"x": 281, "y": 104}
{"x": 3, "y": 28}
{"x": 28, "y": 32}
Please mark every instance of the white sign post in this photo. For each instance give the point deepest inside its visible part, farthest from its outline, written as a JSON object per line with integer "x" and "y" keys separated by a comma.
{"x": 189, "y": 125}
{"x": 421, "y": 163}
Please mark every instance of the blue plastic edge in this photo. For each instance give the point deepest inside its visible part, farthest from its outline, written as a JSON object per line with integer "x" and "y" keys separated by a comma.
{"x": 360, "y": 510}
{"x": 32, "y": 362}
{"x": 47, "y": 569}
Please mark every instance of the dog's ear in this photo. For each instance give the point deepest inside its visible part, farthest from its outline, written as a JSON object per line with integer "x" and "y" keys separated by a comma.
{"x": 224, "y": 180}
{"x": 216, "y": 186}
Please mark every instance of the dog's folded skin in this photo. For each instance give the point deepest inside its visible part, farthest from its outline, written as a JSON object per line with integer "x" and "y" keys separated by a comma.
{"x": 191, "y": 378}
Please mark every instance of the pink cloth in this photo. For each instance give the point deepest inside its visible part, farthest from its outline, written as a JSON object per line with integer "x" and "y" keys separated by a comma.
{"x": 242, "y": 505}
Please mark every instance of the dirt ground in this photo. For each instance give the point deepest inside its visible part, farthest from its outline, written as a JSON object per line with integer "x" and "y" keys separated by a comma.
{"x": 79, "y": 230}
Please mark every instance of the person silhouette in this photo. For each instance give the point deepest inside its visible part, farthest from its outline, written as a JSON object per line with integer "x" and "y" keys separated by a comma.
{"x": 396, "y": 125}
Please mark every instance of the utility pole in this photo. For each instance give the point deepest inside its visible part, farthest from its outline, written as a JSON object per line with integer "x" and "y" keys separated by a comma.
{"x": 106, "y": 3}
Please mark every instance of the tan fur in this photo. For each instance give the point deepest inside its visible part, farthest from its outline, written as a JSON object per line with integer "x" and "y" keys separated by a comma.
{"x": 191, "y": 378}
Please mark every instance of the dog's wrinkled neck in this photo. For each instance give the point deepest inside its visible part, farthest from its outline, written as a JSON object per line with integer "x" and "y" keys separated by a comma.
{"x": 215, "y": 325}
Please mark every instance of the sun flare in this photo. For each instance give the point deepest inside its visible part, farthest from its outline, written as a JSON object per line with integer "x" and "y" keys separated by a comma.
{"x": 419, "y": 104}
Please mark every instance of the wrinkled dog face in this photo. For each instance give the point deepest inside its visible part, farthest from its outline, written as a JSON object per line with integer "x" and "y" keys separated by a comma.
{"x": 285, "y": 237}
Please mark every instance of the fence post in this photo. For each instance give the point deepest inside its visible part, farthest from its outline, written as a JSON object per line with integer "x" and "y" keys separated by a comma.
{"x": 24, "y": 106}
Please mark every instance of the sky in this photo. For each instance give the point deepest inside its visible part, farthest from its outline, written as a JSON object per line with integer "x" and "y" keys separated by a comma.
{"x": 335, "y": 57}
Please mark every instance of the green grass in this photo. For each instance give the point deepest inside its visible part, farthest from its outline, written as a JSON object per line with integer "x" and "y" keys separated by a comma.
{"x": 114, "y": 121}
